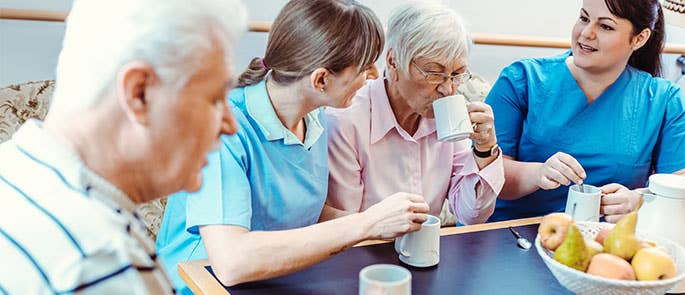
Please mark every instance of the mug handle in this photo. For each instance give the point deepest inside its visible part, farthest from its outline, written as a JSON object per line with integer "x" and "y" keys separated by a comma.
{"x": 403, "y": 244}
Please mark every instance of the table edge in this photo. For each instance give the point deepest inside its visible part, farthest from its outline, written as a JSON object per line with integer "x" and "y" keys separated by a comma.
{"x": 200, "y": 281}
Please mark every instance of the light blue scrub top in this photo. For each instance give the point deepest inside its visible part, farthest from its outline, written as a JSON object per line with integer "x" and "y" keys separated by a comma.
{"x": 263, "y": 179}
{"x": 635, "y": 127}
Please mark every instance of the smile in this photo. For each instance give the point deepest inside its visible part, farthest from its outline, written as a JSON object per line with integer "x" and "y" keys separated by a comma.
{"x": 586, "y": 47}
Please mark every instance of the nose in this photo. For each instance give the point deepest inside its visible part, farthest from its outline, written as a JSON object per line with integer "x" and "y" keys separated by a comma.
{"x": 372, "y": 73}
{"x": 588, "y": 32}
{"x": 229, "y": 125}
{"x": 447, "y": 88}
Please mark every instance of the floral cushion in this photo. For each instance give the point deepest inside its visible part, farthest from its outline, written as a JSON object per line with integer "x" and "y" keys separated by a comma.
{"x": 21, "y": 102}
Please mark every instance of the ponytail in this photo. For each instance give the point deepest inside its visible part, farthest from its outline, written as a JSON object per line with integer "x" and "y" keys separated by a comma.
{"x": 254, "y": 73}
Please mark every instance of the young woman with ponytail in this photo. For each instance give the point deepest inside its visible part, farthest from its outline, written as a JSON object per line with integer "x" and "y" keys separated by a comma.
{"x": 264, "y": 190}
{"x": 598, "y": 114}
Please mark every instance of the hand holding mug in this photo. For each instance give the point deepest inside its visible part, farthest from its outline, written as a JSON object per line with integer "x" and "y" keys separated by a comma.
{"x": 559, "y": 169}
{"x": 618, "y": 200}
{"x": 397, "y": 214}
{"x": 483, "y": 122}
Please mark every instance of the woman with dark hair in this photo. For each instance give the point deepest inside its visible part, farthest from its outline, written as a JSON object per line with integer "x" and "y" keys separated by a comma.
{"x": 256, "y": 216}
{"x": 598, "y": 114}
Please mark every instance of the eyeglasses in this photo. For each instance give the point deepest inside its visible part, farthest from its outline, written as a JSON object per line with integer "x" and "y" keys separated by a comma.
{"x": 439, "y": 78}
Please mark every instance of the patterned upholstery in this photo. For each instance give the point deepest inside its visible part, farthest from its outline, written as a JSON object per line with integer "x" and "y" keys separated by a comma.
{"x": 21, "y": 102}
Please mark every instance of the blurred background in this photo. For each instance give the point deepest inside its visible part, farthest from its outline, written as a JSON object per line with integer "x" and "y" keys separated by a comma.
{"x": 29, "y": 49}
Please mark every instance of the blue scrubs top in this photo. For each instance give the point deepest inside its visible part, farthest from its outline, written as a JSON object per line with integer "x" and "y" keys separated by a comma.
{"x": 636, "y": 127}
{"x": 263, "y": 178}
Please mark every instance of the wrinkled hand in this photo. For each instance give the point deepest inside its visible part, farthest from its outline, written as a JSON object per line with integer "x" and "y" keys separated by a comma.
{"x": 559, "y": 169}
{"x": 395, "y": 215}
{"x": 618, "y": 200}
{"x": 483, "y": 121}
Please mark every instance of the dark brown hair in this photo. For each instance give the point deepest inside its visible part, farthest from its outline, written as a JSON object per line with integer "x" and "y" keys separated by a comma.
{"x": 643, "y": 14}
{"x": 311, "y": 34}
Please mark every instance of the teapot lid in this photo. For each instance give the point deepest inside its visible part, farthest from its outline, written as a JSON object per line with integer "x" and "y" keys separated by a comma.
{"x": 667, "y": 185}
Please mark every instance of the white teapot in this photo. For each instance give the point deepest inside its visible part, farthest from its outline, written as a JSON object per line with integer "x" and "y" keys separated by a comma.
{"x": 663, "y": 211}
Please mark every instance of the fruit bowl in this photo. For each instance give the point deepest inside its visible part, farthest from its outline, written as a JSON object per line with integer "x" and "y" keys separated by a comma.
{"x": 583, "y": 283}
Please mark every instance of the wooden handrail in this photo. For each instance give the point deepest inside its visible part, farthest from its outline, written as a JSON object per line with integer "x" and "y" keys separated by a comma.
{"x": 264, "y": 26}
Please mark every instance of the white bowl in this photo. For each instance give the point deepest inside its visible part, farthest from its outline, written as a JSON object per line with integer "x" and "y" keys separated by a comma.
{"x": 583, "y": 283}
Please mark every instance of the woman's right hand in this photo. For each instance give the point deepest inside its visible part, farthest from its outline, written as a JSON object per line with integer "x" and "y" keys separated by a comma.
{"x": 559, "y": 169}
{"x": 396, "y": 215}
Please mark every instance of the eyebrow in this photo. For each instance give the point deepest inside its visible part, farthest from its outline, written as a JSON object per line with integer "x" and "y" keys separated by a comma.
{"x": 601, "y": 18}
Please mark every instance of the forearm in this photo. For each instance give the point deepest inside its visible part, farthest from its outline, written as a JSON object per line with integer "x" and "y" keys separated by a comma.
{"x": 329, "y": 213}
{"x": 260, "y": 255}
{"x": 520, "y": 180}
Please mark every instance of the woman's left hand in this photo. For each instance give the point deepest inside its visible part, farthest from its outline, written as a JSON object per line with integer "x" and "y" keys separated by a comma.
{"x": 483, "y": 122}
{"x": 618, "y": 200}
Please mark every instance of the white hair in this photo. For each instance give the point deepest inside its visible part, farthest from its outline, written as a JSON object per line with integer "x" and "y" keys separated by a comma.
{"x": 170, "y": 35}
{"x": 426, "y": 29}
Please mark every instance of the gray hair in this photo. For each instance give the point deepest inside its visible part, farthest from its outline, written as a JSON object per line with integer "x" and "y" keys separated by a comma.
{"x": 426, "y": 29}
{"x": 170, "y": 35}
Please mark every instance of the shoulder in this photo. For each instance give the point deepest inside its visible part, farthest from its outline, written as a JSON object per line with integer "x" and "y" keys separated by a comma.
{"x": 534, "y": 68}
{"x": 657, "y": 89}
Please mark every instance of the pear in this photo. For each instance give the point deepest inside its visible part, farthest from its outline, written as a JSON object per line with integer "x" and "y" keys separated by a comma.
{"x": 573, "y": 252}
{"x": 621, "y": 241}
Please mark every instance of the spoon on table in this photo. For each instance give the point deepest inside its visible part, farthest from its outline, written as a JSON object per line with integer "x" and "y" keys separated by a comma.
{"x": 522, "y": 242}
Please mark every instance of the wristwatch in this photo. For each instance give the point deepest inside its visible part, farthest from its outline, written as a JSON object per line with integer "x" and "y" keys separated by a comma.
{"x": 493, "y": 151}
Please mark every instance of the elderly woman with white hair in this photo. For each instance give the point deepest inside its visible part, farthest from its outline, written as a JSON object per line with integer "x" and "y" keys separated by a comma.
{"x": 386, "y": 140}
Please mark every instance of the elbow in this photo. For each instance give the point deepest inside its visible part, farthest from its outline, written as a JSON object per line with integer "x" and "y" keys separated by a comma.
{"x": 228, "y": 274}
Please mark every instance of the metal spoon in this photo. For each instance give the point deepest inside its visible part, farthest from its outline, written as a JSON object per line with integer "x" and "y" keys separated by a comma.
{"x": 522, "y": 242}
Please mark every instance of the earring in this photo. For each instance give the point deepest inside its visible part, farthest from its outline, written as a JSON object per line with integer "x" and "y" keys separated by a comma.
{"x": 322, "y": 91}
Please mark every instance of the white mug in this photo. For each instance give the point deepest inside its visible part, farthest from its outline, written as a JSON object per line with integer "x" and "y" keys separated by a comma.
{"x": 384, "y": 279}
{"x": 587, "y": 202}
{"x": 452, "y": 118}
{"x": 421, "y": 248}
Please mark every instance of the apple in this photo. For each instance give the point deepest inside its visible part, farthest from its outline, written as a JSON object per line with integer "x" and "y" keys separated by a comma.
{"x": 606, "y": 228}
{"x": 611, "y": 267}
{"x": 653, "y": 263}
{"x": 594, "y": 247}
{"x": 552, "y": 229}
{"x": 647, "y": 244}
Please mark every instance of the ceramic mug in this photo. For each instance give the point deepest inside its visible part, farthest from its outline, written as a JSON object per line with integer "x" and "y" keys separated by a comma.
{"x": 384, "y": 279}
{"x": 587, "y": 202}
{"x": 421, "y": 248}
{"x": 452, "y": 118}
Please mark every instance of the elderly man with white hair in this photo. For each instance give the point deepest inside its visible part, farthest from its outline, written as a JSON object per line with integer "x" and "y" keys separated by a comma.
{"x": 140, "y": 101}
{"x": 386, "y": 140}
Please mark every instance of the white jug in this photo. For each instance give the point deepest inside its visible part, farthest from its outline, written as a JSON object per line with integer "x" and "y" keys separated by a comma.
{"x": 663, "y": 211}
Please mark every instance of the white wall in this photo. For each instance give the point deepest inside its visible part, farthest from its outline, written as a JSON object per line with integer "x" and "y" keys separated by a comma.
{"x": 29, "y": 50}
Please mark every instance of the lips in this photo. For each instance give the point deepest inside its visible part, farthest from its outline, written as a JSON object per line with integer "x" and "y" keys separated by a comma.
{"x": 586, "y": 48}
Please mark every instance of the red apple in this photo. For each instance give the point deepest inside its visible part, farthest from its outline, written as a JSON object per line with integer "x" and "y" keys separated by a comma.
{"x": 606, "y": 228}
{"x": 552, "y": 230}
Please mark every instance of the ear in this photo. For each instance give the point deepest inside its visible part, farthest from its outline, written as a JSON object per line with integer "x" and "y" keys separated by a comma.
{"x": 319, "y": 79}
{"x": 132, "y": 85}
{"x": 391, "y": 66}
{"x": 640, "y": 39}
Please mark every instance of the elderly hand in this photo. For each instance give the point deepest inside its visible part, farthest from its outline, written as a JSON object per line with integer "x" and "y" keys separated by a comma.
{"x": 483, "y": 125}
{"x": 395, "y": 215}
{"x": 618, "y": 200}
{"x": 559, "y": 169}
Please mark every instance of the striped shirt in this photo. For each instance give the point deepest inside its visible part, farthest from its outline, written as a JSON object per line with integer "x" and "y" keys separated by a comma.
{"x": 64, "y": 229}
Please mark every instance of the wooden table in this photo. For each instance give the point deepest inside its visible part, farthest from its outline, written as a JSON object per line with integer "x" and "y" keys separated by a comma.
{"x": 196, "y": 274}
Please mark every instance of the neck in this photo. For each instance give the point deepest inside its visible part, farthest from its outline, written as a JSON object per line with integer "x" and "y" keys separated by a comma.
{"x": 405, "y": 116}
{"x": 102, "y": 148}
{"x": 290, "y": 104}
{"x": 594, "y": 83}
